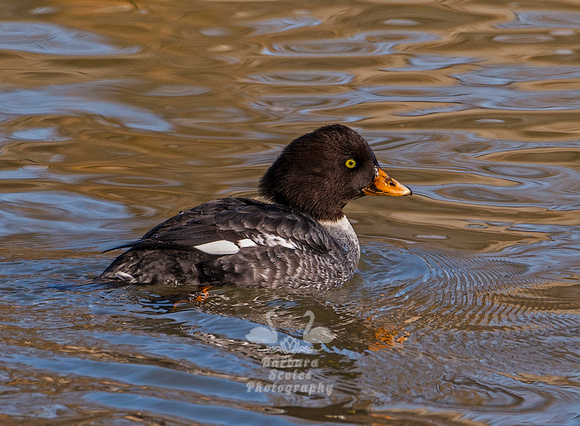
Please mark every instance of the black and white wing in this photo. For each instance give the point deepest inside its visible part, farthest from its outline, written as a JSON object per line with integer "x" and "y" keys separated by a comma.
{"x": 232, "y": 241}
{"x": 225, "y": 226}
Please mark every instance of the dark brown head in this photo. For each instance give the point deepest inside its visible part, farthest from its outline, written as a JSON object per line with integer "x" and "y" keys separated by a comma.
{"x": 320, "y": 172}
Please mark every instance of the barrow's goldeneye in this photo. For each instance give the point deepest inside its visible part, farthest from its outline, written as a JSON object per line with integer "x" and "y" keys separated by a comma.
{"x": 300, "y": 239}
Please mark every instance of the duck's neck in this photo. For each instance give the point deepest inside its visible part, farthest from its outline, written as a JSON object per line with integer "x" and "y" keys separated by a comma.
{"x": 343, "y": 233}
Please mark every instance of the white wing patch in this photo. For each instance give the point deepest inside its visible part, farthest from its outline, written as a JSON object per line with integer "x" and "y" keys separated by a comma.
{"x": 222, "y": 247}
{"x": 273, "y": 240}
{"x": 219, "y": 247}
{"x": 125, "y": 276}
{"x": 246, "y": 242}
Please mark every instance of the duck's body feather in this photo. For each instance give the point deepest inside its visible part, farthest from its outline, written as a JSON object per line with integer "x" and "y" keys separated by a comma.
{"x": 240, "y": 241}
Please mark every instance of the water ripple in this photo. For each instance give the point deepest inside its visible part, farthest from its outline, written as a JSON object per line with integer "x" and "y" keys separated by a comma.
{"x": 301, "y": 78}
{"x": 362, "y": 44}
{"x": 51, "y": 39}
{"x": 424, "y": 62}
{"x": 475, "y": 293}
{"x": 494, "y": 97}
{"x": 73, "y": 100}
{"x": 506, "y": 74}
{"x": 281, "y": 24}
{"x": 56, "y": 213}
{"x": 544, "y": 19}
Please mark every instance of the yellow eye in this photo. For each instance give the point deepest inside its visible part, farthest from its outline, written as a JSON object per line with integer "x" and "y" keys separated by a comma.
{"x": 350, "y": 163}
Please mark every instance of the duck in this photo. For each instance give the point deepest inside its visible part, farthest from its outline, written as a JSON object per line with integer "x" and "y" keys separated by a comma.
{"x": 298, "y": 237}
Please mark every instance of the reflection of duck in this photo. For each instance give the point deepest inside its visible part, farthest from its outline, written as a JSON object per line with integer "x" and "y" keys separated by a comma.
{"x": 317, "y": 334}
{"x": 246, "y": 242}
{"x": 264, "y": 334}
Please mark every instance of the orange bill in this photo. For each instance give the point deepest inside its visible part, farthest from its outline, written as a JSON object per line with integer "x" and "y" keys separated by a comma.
{"x": 383, "y": 184}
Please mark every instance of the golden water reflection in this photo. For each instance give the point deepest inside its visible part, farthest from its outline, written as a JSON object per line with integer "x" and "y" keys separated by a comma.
{"x": 115, "y": 115}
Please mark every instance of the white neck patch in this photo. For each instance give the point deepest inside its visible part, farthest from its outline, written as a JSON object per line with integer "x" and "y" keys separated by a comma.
{"x": 343, "y": 232}
{"x": 342, "y": 225}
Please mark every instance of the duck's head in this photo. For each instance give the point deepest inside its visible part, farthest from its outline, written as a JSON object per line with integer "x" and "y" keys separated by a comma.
{"x": 320, "y": 172}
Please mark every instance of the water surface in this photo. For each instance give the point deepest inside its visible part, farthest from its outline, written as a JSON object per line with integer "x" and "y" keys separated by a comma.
{"x": 115, "y": 115}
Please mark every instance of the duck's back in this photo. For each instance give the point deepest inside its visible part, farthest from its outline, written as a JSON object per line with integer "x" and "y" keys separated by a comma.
{"x": 239, "y": 241}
